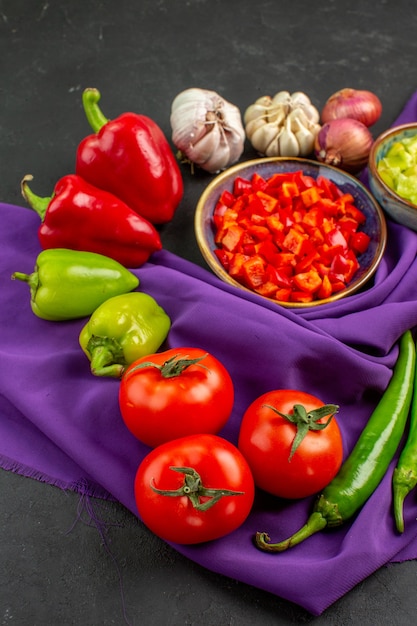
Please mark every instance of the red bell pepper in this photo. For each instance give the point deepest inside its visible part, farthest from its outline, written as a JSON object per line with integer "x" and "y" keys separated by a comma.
{"x": 79, "y": 216}
{"x": 131, "y": 158}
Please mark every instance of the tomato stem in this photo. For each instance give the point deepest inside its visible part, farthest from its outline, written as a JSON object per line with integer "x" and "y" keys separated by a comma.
{"x": 306, "y": 420}
{"x": 194, "y": 490}
{"x": 173, "y": 367}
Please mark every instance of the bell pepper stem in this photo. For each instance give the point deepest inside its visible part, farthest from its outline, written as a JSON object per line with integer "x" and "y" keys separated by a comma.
{"x": 31, "y": 279}
{"x": 38, "y": 204}
{"x": 314, "y": 524}
{"x": 106, "y": 356}
{"x": 95, "y": 117}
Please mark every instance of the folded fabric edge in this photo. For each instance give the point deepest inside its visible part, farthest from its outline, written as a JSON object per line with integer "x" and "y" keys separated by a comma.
{"x": 82, "y": 486}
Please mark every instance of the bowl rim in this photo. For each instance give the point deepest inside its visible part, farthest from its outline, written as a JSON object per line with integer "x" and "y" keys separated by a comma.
{"x": 219, "y": 270}
{"x": 372, "y": 165}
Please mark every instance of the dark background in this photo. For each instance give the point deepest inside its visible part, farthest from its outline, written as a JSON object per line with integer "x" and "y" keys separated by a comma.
{"x": 56, "y": 565}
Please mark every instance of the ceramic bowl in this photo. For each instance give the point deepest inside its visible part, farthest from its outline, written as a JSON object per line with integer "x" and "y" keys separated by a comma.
{"x": 399, "y": 209}
{"x": 375, "y": 225}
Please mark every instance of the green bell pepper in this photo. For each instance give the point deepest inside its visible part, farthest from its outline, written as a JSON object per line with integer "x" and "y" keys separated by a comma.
{"x": 69, "y": 284}
{"x": 122, "y": 330}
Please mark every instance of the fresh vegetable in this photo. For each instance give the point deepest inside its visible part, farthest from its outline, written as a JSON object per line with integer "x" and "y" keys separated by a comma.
{"x": 131, "y": 158}
{"x": 398, "y": 169}
{"x": 356, "y": 104}
{"x": 207, "y": 129}
{"x": 292, "y": 443}
{"x": 344, "y": 143}
{"x": 121, "y": 330}
{"x": 404, "y": 477}
{"x": 284, "y": 125}
{"x": 179, "y": 392}
{"x": 81, "y": 217}
{"x": 369, "y": 460}
{"x": 290, "y": 237}
{"x": 69, "y": 284}
{"x": 194, "y": 489}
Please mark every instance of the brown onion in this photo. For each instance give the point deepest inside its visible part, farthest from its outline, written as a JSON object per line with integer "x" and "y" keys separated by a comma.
{"x": 344, "y": 143}
{"x": 360, "y": 105}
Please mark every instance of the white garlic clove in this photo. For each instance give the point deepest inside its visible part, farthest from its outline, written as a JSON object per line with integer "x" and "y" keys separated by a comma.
{"x": 263, "y": 136}
{"x": 273, "y": 148}
{"x": 201, "y": 151}
{"x": 288, "y": 144}
{"x": 282, "y": 97}
{"x": 254, "y": 111}
{"x": 297, "y": 118}
{"x": 305, "y": 139}
{"x": 254, "y": 124}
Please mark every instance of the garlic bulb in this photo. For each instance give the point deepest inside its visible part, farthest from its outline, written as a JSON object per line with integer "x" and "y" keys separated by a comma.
{"x": 207, "y": 129}
{"x": 285, "y": 125}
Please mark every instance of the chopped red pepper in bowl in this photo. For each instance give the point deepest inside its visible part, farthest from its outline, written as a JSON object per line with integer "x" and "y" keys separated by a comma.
{"x": 292, "y": 230}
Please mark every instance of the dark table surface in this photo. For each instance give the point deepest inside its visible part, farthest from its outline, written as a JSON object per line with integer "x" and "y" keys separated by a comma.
{"x": 56, "y": 568}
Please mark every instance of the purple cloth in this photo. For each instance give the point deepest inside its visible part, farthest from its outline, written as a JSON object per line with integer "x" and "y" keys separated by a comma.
{"x": 61, "y": 425}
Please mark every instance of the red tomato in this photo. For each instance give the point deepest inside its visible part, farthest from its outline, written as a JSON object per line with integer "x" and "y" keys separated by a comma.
{"x": 194, "y": 489}
{"x": 266, "y": 440}
{"x": 163, "y": 397}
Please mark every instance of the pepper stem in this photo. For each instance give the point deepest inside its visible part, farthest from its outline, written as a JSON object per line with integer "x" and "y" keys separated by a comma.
{"x": 107, "y": 358}
{"x": 314, "y": 524}
{"x": 31, "y": 279}
{"x": 95, "y": 117}
{"x": 38, "y": 204}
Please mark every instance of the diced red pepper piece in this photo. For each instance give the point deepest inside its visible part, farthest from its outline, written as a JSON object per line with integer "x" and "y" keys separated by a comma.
{"x": 283, "y": 295}
{"x": 293, "y": 241}
{"x": 310, "y": 196}
{"x": 285, "y": 259}
{"x": 359, "y": 242}
{"x": 326, "y": 289}
{"x": 281, "y": 277}
{"x": 268, "y": 202}
{"x": 267, "y": 289}
{"x": 308, "y": 281}
{"x": 260, "y": 233}
{"x": 258, "y": 182}
{"x": 227, "y": 198}
{"x": 330, "y": 189}
{"x": 301, "y": 296}
{"x": 306, "y": 261}
{"x": 253, "y": 272}
{"x": 266, "y": 249}
{"x": 241, "y": 186}
{"x": 236, "y": 263}
{"x": 335, "y": 238}
{"x": 357, "y": 214}
{"x": 344, "y": 267}
{"x": 274, "y": 223}
{"x": 289, "y": 189}
{"x": 224, "y": 257}
{"x": 231, "y": 237}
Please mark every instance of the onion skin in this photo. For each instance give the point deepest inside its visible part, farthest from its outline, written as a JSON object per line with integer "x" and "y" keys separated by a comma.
{"x": 363, "y": 106}
{"x": 344, "y": 143}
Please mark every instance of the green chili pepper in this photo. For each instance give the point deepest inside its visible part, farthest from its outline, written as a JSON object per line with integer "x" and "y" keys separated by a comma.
{"x": 69, "y": 284}
{"x": 405, "y": 474}
{"x": 368, "y": 462}
{"x": 122, "y": 330}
